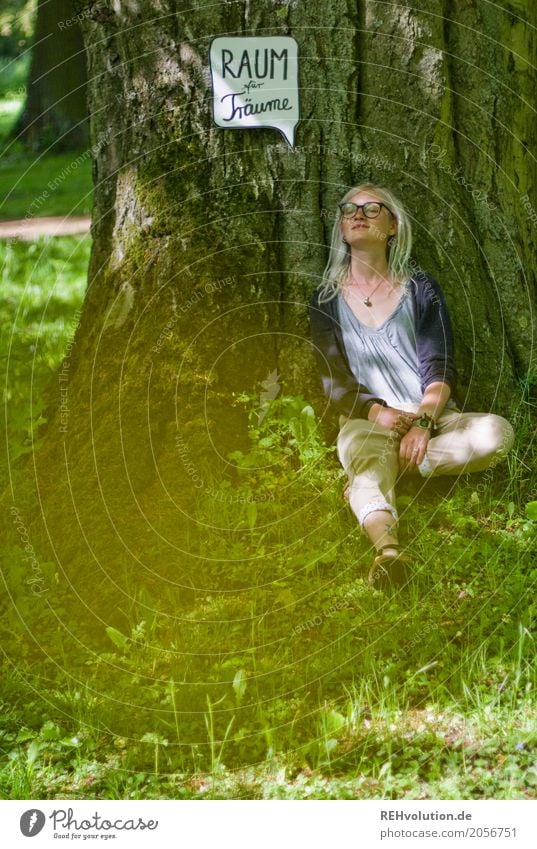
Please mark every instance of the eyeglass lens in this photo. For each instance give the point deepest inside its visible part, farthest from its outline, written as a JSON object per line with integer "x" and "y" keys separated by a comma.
{"x": 371, "y": 209}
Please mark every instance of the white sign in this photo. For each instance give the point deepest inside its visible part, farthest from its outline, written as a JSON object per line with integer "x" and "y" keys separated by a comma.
{"x": 255, "y": 83}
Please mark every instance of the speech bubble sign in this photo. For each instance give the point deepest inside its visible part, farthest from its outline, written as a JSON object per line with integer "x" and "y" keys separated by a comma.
{"x": 255, "y": 83}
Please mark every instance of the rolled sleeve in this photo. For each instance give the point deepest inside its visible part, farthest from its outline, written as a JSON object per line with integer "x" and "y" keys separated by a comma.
{"x": 434, "y": 337}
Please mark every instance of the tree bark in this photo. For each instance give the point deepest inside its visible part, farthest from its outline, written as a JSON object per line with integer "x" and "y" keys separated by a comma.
{"x": 207, "y": 243}
{"x": 435, "y": 101}
{"x": 55, "y": 116}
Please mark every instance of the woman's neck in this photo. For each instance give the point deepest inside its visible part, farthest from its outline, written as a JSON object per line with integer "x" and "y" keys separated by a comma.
{"x": 368, "y": 268}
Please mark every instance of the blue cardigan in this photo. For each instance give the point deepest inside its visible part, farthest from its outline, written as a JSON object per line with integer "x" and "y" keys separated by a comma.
{"x": 434, "y": 344}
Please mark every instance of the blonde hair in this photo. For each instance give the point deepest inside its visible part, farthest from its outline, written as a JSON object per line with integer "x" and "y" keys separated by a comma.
{"x": 398, "y": 247}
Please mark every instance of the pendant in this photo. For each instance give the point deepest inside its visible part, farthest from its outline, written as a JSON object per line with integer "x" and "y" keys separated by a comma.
{"x": 367, "y": 302}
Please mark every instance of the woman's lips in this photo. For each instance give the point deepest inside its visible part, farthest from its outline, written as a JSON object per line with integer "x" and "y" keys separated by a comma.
{"x": 360, "y": 226}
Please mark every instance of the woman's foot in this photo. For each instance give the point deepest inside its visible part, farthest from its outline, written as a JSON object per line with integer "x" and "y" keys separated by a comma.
{"x": 390, "y": 568}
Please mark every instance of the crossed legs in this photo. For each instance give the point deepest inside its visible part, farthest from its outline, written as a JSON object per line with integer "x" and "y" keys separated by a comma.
{"x": 369, "y": 453}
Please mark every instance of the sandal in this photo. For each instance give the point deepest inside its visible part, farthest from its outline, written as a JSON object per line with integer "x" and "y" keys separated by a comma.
{"x": 390, "y": 570}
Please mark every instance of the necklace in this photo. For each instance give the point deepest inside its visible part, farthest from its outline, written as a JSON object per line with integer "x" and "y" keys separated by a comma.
{"x": 367, "y": 300}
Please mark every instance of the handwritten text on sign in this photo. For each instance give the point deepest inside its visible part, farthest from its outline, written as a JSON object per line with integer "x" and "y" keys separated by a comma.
{"x": 255, "y": 83}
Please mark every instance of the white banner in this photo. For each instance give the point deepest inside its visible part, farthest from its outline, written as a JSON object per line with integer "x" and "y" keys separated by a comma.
{"x": 269, "y": 824}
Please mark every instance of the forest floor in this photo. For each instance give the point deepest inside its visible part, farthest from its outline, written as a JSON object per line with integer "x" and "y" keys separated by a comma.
{"x": 306, "y": 685}
{"x": 284, "y": 675}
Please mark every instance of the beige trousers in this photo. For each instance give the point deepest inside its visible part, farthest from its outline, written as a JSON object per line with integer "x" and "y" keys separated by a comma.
{"x": 369, "y": 453}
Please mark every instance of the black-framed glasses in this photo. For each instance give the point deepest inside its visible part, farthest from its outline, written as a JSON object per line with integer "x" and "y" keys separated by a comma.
{"x": 371, "y": 209}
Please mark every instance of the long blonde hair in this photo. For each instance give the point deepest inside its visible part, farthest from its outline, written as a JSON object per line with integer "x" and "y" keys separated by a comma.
{"x": 398, "y": 247}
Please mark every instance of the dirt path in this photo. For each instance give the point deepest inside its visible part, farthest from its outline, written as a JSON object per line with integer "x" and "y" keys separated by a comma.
{"x": 30, "y": 228}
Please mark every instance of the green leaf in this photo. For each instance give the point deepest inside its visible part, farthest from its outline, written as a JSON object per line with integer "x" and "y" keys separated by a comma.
{"x": 239, "y": 684}
{"x": 119, "y": 639}
{"x": 531, "y": 510}
{"x": 232, "y": 662}
{"x": 334, "y": 721}
{"x": 24, "y": 734}
{"x": 235, "y": 455}
{"x": 50, "y": 731}
{"x": 154, "y": 739}
{"x": 32, "y": 753}
{"x": 70, "y": 742}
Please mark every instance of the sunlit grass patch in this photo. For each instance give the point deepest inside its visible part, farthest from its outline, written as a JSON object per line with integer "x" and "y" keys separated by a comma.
{"x": 42, "y": 286}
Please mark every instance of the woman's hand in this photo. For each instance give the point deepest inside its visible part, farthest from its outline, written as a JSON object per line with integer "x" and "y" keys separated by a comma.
{"x": 413, "y": 448}
{"x": 395, "y": 420}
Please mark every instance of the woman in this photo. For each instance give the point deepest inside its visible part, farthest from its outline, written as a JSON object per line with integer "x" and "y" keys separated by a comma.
{"x": 383, "y": 342}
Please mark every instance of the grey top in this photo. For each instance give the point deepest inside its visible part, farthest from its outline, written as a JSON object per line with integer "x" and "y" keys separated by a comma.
{"x": 384, "y": 359}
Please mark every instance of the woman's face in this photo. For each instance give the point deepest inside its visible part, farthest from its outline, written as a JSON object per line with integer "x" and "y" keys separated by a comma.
{"x": 360, "y": 231}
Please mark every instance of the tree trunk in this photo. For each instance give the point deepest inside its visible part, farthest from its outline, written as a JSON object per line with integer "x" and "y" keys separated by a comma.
{"x": 55, "y": 115}
{"x": 207, "y": 243}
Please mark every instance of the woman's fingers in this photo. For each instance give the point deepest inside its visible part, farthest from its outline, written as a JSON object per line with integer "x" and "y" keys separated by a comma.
{"x": 404, "y": 422}
{"x": 398, "y": 421}
{"x": 416, "y": 456}
{"x": 408, "y": 453}
{"x": 413, "y": 449}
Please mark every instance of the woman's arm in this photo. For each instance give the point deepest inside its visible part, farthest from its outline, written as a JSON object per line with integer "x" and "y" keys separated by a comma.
{"x": 413, "y": 446}
{"x": 435, "y": 398}
{"x": 434, "y": 336}
{"x": 435, "y": 348}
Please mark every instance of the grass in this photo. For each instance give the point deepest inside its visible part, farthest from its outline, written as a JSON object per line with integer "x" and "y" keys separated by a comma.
{"x": 282, "y": 674}
{"x": 37, "y": 185}
{"x": 42, "y": 284}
